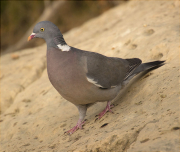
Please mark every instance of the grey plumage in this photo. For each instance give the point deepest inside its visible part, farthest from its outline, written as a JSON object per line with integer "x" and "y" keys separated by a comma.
{"x": 83, "y": 77}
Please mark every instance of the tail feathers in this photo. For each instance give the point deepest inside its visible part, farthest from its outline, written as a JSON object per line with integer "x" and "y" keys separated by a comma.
{"x": 147, "y": 66}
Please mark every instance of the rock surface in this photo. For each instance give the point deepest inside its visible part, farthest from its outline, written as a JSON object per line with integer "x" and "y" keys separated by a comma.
{"x": 34, "y": 116}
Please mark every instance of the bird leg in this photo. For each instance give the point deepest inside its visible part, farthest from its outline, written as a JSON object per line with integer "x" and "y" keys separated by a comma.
{"x": 108, "y": 108}
{"x": 82, "y": 113}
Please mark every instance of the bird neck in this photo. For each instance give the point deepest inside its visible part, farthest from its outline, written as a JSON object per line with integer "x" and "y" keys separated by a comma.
{"x": 58, "y": 42}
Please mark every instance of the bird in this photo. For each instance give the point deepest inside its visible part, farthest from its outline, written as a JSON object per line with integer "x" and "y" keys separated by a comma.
{"x": 83, "y": 77}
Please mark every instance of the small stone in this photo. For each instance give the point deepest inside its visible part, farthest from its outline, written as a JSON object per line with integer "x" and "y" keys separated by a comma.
{"x": 14, "y": 56}
{"x": 163, "y": 96}
{"x": 113, "y": 48}
{"x": 149, "y": 32}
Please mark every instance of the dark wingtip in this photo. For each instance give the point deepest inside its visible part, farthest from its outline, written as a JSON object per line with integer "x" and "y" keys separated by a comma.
{"x": 160, "y": 62}
{"x": 157, "y": 64}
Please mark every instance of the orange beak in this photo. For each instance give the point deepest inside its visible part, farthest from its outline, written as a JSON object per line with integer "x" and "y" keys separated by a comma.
{"x": 31, "y": 36}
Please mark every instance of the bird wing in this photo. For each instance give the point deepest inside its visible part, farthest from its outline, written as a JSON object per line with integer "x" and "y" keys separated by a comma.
{"x": 108, "y": 72}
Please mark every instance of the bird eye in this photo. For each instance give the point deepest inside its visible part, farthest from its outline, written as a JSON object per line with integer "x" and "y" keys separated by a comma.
{"x": 42, "y": 29}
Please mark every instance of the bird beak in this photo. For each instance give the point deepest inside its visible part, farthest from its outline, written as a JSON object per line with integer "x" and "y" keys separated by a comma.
{"x": 31, "y": 36}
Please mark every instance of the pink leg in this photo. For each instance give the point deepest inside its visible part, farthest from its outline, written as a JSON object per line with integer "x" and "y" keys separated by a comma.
{"x": 108, "y": 108}
{"x": 79, "y": 125}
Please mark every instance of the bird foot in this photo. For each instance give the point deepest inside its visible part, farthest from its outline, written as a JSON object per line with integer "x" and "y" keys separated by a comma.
{"x": 108, "y": 108}
{"x": 79, "y": 125}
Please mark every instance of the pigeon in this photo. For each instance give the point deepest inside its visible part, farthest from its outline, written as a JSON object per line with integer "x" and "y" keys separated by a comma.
{"x": 83, "y": 77}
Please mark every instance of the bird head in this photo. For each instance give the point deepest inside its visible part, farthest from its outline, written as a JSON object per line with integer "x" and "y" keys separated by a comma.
{"x": 45, "y": 30}
{"x": 50, "y": 33}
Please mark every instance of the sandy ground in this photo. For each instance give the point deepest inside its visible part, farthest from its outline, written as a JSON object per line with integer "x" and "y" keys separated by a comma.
{"x": 34, "y": 116}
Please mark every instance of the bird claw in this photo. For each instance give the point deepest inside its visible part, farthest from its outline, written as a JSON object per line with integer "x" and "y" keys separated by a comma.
{"x": 79, "y": 125}
{"x": 108, "y": 108}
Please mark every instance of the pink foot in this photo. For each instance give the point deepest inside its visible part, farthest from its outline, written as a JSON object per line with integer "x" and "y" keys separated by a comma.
{"x": 108, "y": 108}
{"x": 79, "y": 125}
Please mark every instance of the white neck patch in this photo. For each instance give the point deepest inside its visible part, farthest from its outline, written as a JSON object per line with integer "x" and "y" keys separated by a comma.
{"x": 64, "y": 47}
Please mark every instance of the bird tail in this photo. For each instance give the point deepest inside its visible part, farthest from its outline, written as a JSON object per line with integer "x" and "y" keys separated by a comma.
{"x": 148, "y": 66}
{"x": 144, "y": 67}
